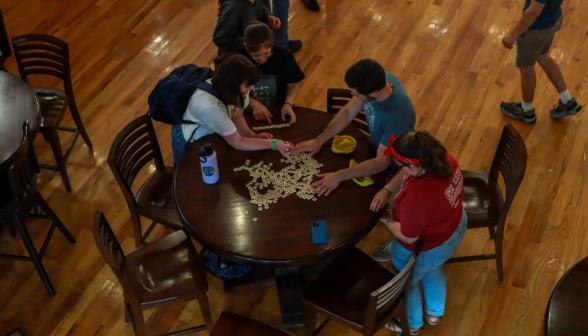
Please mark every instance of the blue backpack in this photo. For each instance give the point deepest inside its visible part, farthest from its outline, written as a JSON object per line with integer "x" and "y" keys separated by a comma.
{"x": 169, "y": 100}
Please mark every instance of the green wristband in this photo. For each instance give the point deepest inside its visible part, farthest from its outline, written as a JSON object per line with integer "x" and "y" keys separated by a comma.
{"x": 274, "y": 144}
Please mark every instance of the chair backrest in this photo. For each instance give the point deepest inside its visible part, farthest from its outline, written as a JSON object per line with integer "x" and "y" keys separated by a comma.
{"x": 38, "y": 54}
{"x": 133, "y": 148}
{"x": 107, "y": 243}
{"x": 381, "y": 300}
{"x": 5, "y": 50}
{"x": 337, "y": 98}
{"x": 112, "y": 252}
{"x": 511, "y": 161}
{"x": 22, "y": 174}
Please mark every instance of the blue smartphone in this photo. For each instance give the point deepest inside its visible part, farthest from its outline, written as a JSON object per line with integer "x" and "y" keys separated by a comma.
{"x": 319, "y": 232}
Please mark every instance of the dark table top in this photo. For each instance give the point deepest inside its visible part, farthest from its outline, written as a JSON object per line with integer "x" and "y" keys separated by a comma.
{"x": 281, "y": 237}
{"x": 18, "y": 103}
{"x": 567, "y": 312}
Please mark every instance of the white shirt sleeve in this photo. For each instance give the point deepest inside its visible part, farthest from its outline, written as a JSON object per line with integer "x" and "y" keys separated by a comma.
{"x": 218, "y": 120}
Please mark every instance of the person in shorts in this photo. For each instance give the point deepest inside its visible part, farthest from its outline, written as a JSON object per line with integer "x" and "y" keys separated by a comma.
{"x": 533, "y": 36}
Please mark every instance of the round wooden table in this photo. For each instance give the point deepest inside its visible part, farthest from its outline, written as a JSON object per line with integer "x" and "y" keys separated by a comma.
{"x": 281, "y": 238}
{"x": 18, "y": 103}
{"x": 567, "y": 310}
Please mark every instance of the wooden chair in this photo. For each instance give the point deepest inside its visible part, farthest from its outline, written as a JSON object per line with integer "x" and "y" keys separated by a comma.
{"x": 38, "y": 54}
{"x": 358, "y": 292}
{"x": 483, "y": 199}
{"x": 165, "y": 272}
{"x": 229, "y": 324}
{"x": 134, "y": 147}
{"x": 23, "y": 186}
{"x": 337, "y": 98}
{"x": 5, "y": 50}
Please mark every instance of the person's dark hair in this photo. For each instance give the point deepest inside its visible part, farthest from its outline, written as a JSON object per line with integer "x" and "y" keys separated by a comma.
{"x": 258, "y": 35}
{"x": 425, "y": 147}
{"x": 228, "y": 77}
{"x": 366, "y": 76}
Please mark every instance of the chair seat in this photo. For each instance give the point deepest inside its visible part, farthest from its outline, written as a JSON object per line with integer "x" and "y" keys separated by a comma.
{"x": 344, "y": 287}
{"x": 168, "y": 268}
{"x": 229, "y": 324}
{"x": 155, "y": 199}
{"x": 51, "y": 109}
{"x": 482, "y": 199}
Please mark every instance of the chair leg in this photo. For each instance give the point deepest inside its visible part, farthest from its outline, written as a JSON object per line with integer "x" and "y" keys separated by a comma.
{"x": 136, "y": 318}
{"x": 11, "y": 230}
{"x": 498, "y": 246}
{"x": 137, "y": 230}
{"x": 75, "y": 114}
{"x": 47, "y": 209}
{"x": 310, "y": 316}
{"x": 57, "y": 152}
{"x": 45, "y": 136}
{"x": 492, "y": 233}
{"x": 10, "y": 227}
{"x": 205, "y": 308}
{"x": 126, "y": 307}
{"x": 30, "y": 246}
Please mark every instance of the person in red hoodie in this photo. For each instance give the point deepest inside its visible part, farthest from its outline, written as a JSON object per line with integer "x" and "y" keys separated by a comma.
{"x": 428, "y": 208}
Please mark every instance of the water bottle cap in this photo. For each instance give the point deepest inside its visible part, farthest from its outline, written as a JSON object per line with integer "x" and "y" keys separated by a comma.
{"x": 206, "y": 150}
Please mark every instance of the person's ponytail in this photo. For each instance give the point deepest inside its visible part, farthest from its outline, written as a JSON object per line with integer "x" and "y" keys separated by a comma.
{"x": 433, "y": 155}
{"x": 425, "y": 147}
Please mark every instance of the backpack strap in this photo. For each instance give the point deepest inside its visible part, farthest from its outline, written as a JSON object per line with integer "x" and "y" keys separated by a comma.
{"x": 208, "y": 88}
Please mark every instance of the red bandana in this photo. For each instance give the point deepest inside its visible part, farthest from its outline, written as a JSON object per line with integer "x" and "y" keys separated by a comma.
{"x": 398, "y": 157}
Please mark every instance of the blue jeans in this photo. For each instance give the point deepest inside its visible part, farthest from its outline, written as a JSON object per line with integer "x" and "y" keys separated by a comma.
{"x": 178, "y": 143}
{"x": 280, "y": 10}
{"x": 428, "y": 270}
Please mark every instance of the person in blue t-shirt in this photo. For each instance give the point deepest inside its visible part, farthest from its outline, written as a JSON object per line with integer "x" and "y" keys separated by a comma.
{"x": 534, "y": 35}
{"x": 388, "y": 110}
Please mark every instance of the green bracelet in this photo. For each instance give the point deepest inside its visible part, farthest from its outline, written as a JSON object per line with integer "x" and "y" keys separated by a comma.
{"x": 387, "y": 190}
{"x": 274, "y": 144}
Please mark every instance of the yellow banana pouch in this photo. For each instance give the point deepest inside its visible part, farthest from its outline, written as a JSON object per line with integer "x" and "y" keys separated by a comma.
{"x": 362, "y": 181}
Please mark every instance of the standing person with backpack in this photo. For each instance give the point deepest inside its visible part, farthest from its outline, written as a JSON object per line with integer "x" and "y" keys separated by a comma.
{"x": 207, "y": 114}
{"x": 233, "y": 17}
{"x": 281, "y": 75}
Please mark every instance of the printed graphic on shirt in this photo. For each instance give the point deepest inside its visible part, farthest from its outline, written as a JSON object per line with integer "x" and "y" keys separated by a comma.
{"x": 370, "y": 115}
{"x": 405, "y": 181}
{"x": 234, "y": 111}
{"x": 455, "y": 188}
{"x": 265, "y": 91}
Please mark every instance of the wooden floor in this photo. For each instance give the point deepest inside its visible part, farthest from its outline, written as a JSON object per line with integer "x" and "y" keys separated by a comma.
{"x": 449, "y": 55}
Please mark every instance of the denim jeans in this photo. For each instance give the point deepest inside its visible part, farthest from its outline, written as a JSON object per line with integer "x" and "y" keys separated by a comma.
{"x": 428, "y": 270}
{"x": 178, "y": 143}
{"x": 280, "y": 10}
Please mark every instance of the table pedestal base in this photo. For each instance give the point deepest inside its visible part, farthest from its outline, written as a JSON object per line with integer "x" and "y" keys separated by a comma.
{"x": 289, "y": 287}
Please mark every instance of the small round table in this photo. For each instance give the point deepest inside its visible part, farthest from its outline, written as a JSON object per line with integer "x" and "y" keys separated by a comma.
{"x": 567, "y": 311}
{"x": 281, "y": 238}
{"x": 18, "y": 103}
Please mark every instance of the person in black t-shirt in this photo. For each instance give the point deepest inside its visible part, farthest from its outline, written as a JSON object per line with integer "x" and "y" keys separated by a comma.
{"x": 281, "y": 75}
{"x": 233, "y": 17}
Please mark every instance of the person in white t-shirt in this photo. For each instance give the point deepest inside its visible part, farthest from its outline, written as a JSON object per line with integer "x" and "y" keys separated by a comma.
{"x": 234, "y": 78}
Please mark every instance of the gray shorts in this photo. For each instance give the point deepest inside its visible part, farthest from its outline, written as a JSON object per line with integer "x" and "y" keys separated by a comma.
{"x": 534, "y": 43}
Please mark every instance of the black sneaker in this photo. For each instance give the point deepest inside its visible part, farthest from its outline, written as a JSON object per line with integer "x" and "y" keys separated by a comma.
{"x": 515, "y": 110}
{"x": 312, "y": 5}
{"x": 561, "y": 110}
{"x": 294, "y": 45}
